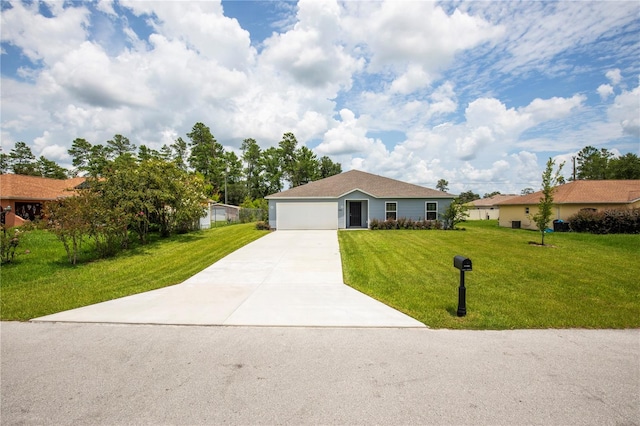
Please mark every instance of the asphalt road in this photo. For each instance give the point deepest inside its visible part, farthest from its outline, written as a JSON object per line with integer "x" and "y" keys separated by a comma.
{"x": 57, "y": 373}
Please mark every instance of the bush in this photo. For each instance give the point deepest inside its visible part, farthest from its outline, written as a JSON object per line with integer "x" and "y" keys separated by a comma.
{"x": 404, "y": 223}
{"x": 263, "y": 226}
{"x": 613, "y": 221}
{"x": 9, "y": 240}
{"x": 455, "y": 213}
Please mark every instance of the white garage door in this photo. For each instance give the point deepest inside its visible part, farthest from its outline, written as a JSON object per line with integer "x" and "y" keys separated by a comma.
{"x": 307, "y": 215}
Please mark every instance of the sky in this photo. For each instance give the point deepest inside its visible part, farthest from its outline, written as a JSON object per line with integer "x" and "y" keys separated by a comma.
{"x": 478, "y": 93}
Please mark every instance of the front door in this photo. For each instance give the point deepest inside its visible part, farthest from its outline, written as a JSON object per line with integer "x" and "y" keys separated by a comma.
{"x": 355, "y": 214}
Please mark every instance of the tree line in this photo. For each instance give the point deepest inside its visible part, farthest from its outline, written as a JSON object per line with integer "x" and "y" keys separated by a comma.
{"x": 600, "y": 164}
{"x": 227, "y": 177}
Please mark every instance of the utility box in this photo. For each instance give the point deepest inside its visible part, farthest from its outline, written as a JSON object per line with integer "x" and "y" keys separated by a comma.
{"x": 462, "y": 263}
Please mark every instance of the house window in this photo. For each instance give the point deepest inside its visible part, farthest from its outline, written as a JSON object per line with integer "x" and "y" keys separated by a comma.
{"x": 526, "y": 210}
{"x": 431, "y": 211}
{"x": 391, "y": 210}
{"x": 28, "y": 211}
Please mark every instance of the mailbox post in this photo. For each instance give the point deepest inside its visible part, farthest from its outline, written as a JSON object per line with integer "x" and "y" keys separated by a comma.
{"x": 463, "y": 264}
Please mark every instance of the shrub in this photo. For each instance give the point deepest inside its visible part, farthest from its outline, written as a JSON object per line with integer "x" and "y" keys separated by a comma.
{"x": 9, "y": 240}
{"x": 263, "y": 226}
{"x": 405, "y": 223}
{"x": 613, "y": 221}
{"x": 454, "y": 214}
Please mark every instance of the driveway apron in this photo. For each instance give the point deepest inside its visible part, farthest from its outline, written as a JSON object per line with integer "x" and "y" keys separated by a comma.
{"x": 286, "y": 278}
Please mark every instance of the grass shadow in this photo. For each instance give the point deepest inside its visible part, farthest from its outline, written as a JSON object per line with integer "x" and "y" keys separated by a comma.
{"x": 453, "y": 310}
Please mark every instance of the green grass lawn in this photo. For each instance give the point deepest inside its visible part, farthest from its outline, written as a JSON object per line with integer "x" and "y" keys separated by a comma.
{"x": 580, "y": 280}
{"x": 43, "y": 282}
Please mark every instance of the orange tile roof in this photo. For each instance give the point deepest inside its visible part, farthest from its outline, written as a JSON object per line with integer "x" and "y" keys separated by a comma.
{"x": 20, "y": 187}
{"x": 344, "y": 183}
{"x": 586, "y": 192}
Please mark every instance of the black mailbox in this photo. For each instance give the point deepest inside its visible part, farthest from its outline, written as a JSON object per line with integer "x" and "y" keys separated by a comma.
{"x": 462, "y": 263}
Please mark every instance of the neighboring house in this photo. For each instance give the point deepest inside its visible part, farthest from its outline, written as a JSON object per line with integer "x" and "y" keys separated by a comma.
{"x": 351, "y": 200}
{"x": 25, "y": 195}
{"x": 486, "y": 208}
{"x": 569, "y": 199}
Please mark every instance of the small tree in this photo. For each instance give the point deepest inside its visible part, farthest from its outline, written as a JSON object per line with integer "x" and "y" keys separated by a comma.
{"x": 454, "y": 214}
{"x": 549, "y": 182}
{"x": 67, "y": 219}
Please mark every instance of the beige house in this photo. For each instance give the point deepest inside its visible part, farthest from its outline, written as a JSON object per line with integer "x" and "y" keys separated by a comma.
{"x": 569, "y": 199}
{"x": 486, "y": 208}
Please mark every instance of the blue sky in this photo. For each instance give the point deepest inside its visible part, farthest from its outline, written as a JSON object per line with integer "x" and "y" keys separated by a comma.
{"x": 478, "y": 93}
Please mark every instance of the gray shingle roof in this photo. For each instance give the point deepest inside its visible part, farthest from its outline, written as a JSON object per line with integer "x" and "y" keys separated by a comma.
{"x": 374, "y": 185}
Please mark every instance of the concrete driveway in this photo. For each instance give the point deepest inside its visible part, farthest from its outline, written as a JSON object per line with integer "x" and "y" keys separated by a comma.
{"x": 287, "y": 278}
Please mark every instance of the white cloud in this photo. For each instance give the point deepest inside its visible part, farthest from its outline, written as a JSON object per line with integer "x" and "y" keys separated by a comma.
{"x": 554, "y": 108}
{"x": 311, "y": 53}
{"x": 605, "y": 90}
{"x": 626, "y": 111}
{"x": 90, "y": 75}
{"x": 525, "y": 167}
{"x": 348, "y": 137}
{"x": 490, "y": 122}
{"x": 491, "y": 113}
{"x": 536, "y": 32}
{"x": 614, "y": 76}
{"x": 42, "y": 38}
{"x": 495, "y": 173}
{"x": 420, "y": 33}
{"x": 478, "y": 139}
{"x": 415, "y": 78}
{"x": 202, "y": 27}
{"x": 45, "y": 146}
{"x": 443, "y": 99}
{"x": 394, "y": 111}
{"x": 106, "y": 6}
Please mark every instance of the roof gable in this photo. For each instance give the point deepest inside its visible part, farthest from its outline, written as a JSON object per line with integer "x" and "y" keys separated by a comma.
{"x": 354, "y": 180}
{"x": 491, "y": 201}
{"x": 34, "y": 188}
{"x": 586, "y": 192}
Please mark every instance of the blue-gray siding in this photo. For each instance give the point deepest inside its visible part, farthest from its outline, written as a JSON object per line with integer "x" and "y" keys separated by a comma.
{"x": 372, "y": 208}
